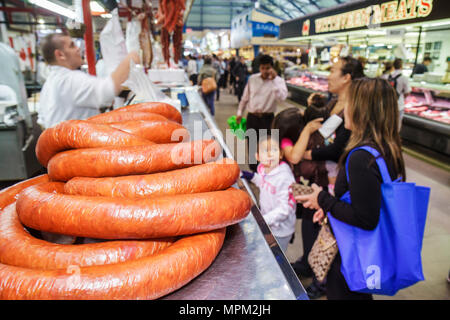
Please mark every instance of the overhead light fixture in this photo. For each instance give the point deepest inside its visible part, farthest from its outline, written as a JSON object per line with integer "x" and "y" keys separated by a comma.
{"x": 41, "y": 21}
{"x": 439, "y": 24}
{"x": 54, "y": 8}
{"x": 257, "y": 4}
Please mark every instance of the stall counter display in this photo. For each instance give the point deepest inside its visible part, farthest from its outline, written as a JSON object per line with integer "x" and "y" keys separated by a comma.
{"x": 301, "y": 83}
{"x": 429, "y": 104}
{"x": 310, "y": 81}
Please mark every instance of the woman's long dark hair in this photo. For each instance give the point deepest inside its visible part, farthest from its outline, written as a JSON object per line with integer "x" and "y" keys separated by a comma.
{"x": 290, "y": 124}
{"x": 373, "y": 112}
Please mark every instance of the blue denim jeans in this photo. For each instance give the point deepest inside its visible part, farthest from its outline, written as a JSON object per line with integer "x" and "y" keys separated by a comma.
{"x": 209, "y": 100}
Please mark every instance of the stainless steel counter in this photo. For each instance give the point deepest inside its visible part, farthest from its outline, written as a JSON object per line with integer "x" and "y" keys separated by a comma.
{"x": 250, "y": 265}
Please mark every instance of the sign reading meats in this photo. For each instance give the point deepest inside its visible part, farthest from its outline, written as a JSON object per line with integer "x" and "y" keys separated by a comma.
{"x": 375, "y": 15}
{"x": 363, "y": 14}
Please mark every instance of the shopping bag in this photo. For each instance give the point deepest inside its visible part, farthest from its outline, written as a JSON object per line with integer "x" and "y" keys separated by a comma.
{"x": 209, "y": 85}
{"x": 237, "y": 128}
{"x": 112, "y": 43}
{"x": 388, "y": 258}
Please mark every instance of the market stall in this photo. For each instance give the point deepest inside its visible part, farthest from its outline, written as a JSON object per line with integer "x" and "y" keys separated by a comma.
{"x": 378, "y": 31}
{"x": 251, "y": 265}
{"x": 249, "y": 256}
{"x": 255, "y": 31}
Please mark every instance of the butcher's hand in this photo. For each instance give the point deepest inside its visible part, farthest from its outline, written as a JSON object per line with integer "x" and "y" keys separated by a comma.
{"x": 133, "y": 55}
{"x": 238, "y": 119}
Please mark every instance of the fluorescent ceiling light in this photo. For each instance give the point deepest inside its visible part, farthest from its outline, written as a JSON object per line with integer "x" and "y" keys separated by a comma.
{"x": 439, "y": 24}
{"x": 96, "y": 7}
{"x": 54, "y": 7}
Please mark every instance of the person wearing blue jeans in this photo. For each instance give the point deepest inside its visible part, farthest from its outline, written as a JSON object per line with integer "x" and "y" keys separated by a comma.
{"x": 207, "y": 71}
{"x": 209, "y": 100}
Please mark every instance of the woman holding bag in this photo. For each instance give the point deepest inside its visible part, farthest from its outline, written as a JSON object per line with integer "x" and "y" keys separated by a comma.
{"x": 371, "y": 113}
{"x": 209, "y": 74}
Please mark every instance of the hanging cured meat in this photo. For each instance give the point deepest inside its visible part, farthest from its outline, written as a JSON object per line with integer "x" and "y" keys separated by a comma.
{"x": 142, "y": 11}
{"x": 170, "y": 16}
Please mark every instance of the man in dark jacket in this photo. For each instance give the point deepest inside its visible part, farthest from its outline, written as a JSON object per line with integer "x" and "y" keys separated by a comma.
{"x": 240, "y": 73}
{"x": 421, "y": 68}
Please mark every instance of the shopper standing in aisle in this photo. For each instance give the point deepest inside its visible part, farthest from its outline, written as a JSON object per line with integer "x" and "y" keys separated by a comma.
{"x": 199, "y": 63}
{"x": 69, "y": 93}
{"x": 342, "y": 74}
{"x": 261, "y": 95}
{"x": 192, "y": 70}
{"x": 388, "y": 69}
{"x": 401, "y": 86}
{"x": 207, "y": 71}
{"x": 240, "y": 73}
{"x": 225, "y": 73}
{"x": 255, "y": 63}
{"x": 218, "y": 67}
{"x": 421, "y": 68}
{"x": 231, "y": 64}
{"x": 371, "y": 113}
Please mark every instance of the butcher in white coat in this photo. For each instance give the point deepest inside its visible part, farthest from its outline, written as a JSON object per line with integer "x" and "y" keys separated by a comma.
{"x": 69, "y": 93}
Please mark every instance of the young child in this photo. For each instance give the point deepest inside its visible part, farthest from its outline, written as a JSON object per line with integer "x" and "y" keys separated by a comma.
{"x": 290, "y": 123}
{"x": 273, "y": 178}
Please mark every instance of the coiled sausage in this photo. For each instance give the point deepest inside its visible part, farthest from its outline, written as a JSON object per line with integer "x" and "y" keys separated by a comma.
{"x": 121, "y": 161}
{"x": 162, "y": 108}
{"x": 112, "y": 116}
{"x": 45, "y": 207}
{"x": 211, "y": 176}
{"x": 19, "y": 248}
{"x": 156, "y": 131}
{"x": 146, "y": 278}
{"x": 9, "y": 195}
{"x": 127, "y": 269}
{"x": 74, "y": 134}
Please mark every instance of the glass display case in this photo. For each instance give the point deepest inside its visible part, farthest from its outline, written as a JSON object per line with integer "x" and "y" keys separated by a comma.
{"x": 427, "y": 116}
{"x": 429, "y": 101}
{"x": 302, "y": 82}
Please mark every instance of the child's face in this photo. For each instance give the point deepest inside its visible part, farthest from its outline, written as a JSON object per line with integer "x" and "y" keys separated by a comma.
{"x": 269, "y": 154}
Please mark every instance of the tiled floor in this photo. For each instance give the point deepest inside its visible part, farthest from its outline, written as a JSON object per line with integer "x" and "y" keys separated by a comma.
{"x": 436, "y": 244}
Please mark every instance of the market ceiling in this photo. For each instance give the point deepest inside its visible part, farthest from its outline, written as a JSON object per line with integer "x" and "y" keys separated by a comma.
{"x": 217, "y": 14}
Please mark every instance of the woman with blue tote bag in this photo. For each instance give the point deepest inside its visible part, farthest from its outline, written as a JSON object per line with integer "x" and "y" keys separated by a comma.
{"x": 377, "y": 218}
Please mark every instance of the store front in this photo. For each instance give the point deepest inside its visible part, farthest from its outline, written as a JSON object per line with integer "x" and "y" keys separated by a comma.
{"x": 376, "y": 32}
{"x": 256, "y": 31}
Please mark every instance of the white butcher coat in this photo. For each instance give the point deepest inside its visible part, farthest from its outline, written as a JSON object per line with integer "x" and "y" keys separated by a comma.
{"x": 72, "y": 94}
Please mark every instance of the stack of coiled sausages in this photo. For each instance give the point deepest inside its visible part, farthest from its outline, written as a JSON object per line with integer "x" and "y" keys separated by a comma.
{"x": 160, "y": 207}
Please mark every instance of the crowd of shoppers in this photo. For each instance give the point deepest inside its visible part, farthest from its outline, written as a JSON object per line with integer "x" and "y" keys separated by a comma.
{"x": 370, "y": 110}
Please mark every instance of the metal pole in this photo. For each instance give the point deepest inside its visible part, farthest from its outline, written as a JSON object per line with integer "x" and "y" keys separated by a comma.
{"x": 89, "y": 37}
{"x": 417, "y": 50}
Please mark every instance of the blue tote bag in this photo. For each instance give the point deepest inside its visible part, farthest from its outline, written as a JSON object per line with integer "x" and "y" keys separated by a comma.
{"x": 388, "y": 258}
